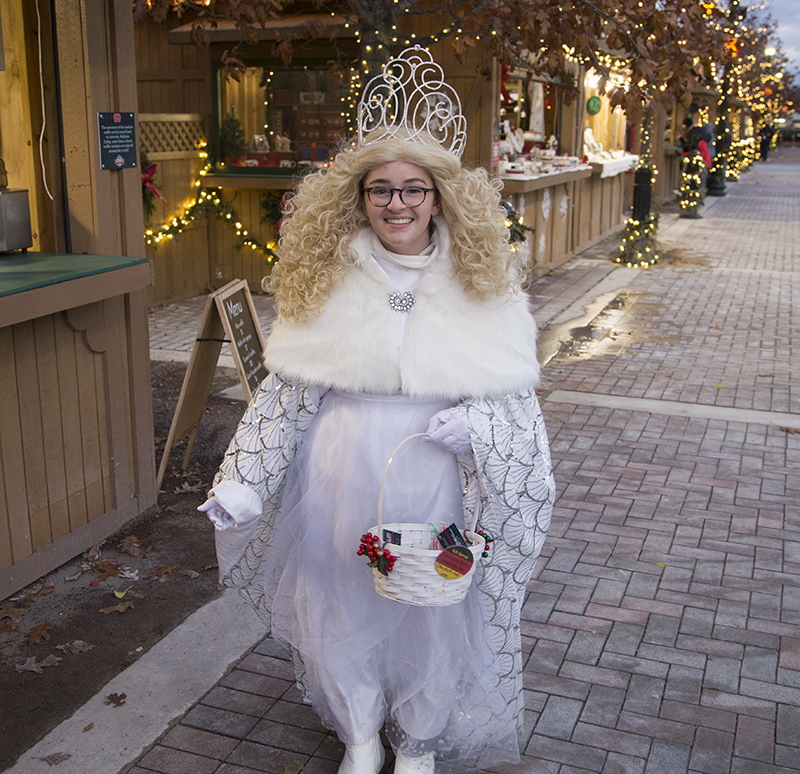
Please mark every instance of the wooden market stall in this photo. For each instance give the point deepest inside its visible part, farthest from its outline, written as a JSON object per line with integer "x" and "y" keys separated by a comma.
{"x": 289, "y": 116}
{"x": 76, "y": 429}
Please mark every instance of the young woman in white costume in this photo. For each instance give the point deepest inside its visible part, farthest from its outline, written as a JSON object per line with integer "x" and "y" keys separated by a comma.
{"x": 399, "y": 313}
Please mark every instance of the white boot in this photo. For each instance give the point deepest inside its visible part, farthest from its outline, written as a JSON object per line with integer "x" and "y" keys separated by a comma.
{"x": 364, "y": 758}
{"x": 418, "y": 765}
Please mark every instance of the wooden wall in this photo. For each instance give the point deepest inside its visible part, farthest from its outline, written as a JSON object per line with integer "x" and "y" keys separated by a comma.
{"x": 170, "y": 78}
{"x": 76, "y": 437}
{"x": 601, "y": 206}
{"x": 205, "y": 255}
{"x": 61, "y": 479}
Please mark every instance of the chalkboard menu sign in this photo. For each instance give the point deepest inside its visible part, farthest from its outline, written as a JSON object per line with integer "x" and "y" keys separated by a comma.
{"x": 117, "y": 133}
{"x": 229, "y": 318}
{"x": 238, "y": 317}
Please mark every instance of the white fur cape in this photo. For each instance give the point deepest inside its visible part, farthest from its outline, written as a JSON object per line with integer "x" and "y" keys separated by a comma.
{"x": 452, "y": 346}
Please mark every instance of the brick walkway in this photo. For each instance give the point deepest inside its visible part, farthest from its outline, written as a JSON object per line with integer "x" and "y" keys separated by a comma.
{"x": 662, "y": 629}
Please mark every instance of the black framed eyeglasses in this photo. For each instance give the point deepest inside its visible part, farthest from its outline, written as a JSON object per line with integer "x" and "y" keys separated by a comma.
{"x": 411, "y": 196}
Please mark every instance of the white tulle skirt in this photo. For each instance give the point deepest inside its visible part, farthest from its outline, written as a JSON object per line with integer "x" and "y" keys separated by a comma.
{"x": 364, "y": 661}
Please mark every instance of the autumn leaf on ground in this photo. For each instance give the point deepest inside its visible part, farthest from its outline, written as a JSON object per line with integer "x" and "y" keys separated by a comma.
{"x": 162, "y": 573}
{"x": 131, "y": 545}
{"x": 88, "y": 728}
{"x": 6, "y": 627}
{"x": 79, "y": 646}
{"x": 72, "y": 578}
{"x": 106, "y": 569}
{"x": 39, "y": 633}
{"x": 121, "y": 594}
{"x": 14, "y": 613}
{"x": 93, "y": 554}
{"x": 23, "y": 600}
{"x": 31, "y": 666}
{"x": 169, "y": 508}
{"x": 45, "y": 590}
{"x": 55, "y": 758}
{"x": 211, "y": 567}
{"x": 129, "y": 574}
{"x": 186, "y": 487}
{"x": 120, "y": 608}
{"x": 116, "y": 699}
{"x": 190, "y": 574}
{"x": 789, "y": 429}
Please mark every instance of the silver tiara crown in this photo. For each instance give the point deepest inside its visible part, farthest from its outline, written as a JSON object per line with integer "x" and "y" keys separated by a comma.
{"x": 411, "y": 97}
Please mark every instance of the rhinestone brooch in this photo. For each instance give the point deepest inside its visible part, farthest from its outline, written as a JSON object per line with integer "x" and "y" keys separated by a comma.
{"x": 401, "y": 302}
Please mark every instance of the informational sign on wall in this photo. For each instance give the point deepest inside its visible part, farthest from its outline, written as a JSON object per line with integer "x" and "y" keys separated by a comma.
{"x": 117, "y": 133}
{"x": 229, "y": 318}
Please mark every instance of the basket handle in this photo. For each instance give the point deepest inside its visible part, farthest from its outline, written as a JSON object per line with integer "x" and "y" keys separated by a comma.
{"x": 383, "y": 484}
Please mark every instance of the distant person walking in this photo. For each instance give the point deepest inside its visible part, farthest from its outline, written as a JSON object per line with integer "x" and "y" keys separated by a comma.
{"x": 766, "y": 134}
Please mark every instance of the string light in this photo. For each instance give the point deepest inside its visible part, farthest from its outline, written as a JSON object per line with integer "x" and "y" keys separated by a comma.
{"x": 692, "y": 191}
{"x": 208, "y": 199}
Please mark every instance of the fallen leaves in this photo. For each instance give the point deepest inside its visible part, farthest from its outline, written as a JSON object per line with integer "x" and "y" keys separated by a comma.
{"x": 39, "y": 633}
{"x": 131, "y": 545}
{"x": 120, "y": 608}
{"x": 106, "y": 569}
{"x": 79, "y": 646}
{"x": 162, "y": 573}
{"x": 31, "y": 665}
{"x": 14, "y": 613}
{"x": 186, "y": 488}
{"x": 790, "y": 429}
{"x": 55, "y": 758}
{"x": 116, "y": 699}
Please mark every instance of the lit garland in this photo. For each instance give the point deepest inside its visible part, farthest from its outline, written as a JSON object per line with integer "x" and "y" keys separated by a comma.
{"x": 741, "y": 155}
{"x": 639, "y": 246}
{"x": 208, "y": 199}
{"x": 516, "y": 228}
{"x": 692, "y": 191}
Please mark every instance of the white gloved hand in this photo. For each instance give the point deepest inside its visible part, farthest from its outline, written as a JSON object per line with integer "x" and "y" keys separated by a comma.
{"x": 449, "y": 430}
{"x": 231, "y": 504}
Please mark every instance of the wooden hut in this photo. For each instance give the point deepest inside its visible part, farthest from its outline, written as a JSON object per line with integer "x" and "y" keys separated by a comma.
{"x": 76, "y": 431}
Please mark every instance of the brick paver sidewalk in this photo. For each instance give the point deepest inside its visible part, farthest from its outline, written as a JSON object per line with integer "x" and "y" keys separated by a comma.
{"x": 662, "y": 629}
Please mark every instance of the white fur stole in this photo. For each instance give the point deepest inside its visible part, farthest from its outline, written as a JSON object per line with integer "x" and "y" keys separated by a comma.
{"x": 453, "y": 346}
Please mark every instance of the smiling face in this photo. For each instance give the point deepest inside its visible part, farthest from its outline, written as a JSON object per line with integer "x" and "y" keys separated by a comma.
{"x": 401, "y": 229}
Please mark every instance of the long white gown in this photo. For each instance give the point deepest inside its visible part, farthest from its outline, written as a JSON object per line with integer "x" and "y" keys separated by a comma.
{"x": 440, "y": 679}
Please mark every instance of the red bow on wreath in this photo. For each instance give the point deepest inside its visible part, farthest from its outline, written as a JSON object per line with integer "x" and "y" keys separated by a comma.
{"x": 147, "y": 177}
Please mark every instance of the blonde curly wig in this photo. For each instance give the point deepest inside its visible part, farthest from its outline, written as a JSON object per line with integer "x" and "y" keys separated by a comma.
{"x": 325, "y": 215}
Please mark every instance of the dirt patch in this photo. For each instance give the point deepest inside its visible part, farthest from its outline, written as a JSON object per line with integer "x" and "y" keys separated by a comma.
{"x": 60, "y": 616}
{"x": 675, "y": 258}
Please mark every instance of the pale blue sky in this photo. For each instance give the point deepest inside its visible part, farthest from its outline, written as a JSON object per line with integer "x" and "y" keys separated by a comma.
{"x": 787, "y": 14}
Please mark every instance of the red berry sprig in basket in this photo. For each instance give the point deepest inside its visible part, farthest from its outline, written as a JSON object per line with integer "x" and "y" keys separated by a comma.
{"x": 381, "y": 558}
{"x": 488, "y": 538}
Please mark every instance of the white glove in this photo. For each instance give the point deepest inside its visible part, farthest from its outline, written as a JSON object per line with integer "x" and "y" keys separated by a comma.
{"x": 449, "y": 430}
{"x": 231, "y": 504}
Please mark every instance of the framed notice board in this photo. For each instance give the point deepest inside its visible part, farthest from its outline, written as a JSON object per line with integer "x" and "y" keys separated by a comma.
{"x": 230, "y": 318}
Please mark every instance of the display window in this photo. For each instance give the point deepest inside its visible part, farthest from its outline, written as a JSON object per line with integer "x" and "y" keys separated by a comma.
{"x": 281, "y": 116}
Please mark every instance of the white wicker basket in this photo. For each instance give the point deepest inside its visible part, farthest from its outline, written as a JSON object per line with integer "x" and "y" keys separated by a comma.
{"x": 414, "y": 579}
